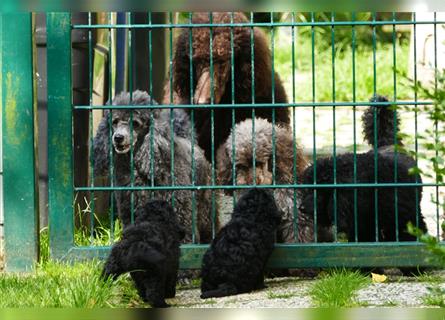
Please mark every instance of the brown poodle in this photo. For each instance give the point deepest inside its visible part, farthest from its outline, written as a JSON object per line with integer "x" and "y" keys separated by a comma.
{"x": 222, "y": 76}
{"x": 284, "y": 170}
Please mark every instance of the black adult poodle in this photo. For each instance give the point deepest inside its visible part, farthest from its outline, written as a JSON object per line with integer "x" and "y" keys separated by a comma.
{"x": 149, "y": 250}
{"x": 267, "y": 85}
{"x": 376, "y": 207}
{"x": 236, "y": 259}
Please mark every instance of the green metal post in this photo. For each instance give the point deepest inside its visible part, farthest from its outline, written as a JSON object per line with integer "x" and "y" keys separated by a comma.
{"x": 17, "y": 104}
{"x": 60, "y": 165}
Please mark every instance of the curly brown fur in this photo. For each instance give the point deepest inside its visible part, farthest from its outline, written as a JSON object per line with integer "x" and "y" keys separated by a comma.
{"x": 159, "y": 145}
{"x": 149, "y": 250}
{"x": 237, "y": 257}
{"x": 285, "y": 157}
{"x": 222, "y": 79}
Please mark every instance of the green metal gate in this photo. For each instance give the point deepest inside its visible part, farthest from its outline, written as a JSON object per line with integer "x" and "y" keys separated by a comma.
{"x": 18, "y": 109}
{"x": 299, "y": 255}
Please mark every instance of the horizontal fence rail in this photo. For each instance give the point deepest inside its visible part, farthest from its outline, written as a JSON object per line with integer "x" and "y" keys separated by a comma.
{"x": 265, "y": 186}
{"x": 301, "y": 255}
{"x": 256, "y": 105}
{"x": 256, "y": 24}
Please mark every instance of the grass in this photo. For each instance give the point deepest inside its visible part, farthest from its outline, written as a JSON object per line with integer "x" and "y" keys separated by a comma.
{"x": 60, "y": 285}
{"x": 337, "y": 288}
{"x": 194, "y": 284}
{"x": 104, "y": 233}
{"x": 323, "y": 63}
{"x": 429, "y": 277}
{"x": 435, "y": 297}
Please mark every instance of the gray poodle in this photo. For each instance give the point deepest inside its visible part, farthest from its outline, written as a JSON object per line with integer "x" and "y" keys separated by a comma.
{"x": 284, "y": 170}
{"x": 152, "y": 162}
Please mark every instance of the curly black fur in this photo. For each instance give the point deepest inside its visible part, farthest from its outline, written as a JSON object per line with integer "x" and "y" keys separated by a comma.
{"x": 159, "y": 146}
{"x": 242, "y": 81}
{"x": 237, "y": 257}
{"x": 386, "y": 127}
{"x": 407, "y": 202}
{"x": 149, "y": 250}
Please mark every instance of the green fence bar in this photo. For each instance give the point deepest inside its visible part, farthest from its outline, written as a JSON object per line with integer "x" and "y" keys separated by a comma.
{"x": 18, "y": 110}
{"x": 60, "y": 165}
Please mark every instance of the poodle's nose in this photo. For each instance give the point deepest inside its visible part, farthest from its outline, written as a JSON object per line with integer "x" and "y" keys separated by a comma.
{"x": 118, "y": 138}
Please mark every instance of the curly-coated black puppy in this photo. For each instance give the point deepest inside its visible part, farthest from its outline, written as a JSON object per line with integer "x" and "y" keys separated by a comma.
{"x": 217, "y": 82}
{"x": 149, "y": 250}
{"x": 375, "y": 216}
{"x": 237, "y": 257}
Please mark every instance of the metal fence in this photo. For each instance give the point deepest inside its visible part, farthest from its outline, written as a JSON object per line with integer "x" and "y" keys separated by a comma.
{"x": 323, "y": 124}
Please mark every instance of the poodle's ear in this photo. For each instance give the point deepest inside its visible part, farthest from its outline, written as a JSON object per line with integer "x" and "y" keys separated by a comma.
{"x": 307, "y": 202}
{"x": 140, "y": 255}
{"x": 285, "y": 157}
{"x": 224, "y": 163}
{"x": 181, "y": 70}
{"x": 101, "y": 147}
{"x": 112, "y": 267}
{"x": 142, "y": 158}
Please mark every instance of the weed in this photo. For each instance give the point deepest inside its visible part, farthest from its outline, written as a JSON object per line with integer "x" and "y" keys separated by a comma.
{"x": 435, "y": 297}
{"x": 194, "y": 284}
{"x": 282, "y": 295}
{"x": 429, "y": 277}
{"x": 337, "y": 288}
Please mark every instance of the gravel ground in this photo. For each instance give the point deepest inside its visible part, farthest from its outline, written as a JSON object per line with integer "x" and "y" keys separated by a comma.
{"x": 402, "y": 294}
{"x": 293, "y": 293}
{"x": 280, "y": 293}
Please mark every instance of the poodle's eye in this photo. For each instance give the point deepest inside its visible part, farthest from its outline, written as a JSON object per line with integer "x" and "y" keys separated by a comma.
{"x": 115, "y": 122}
{"x": 241, "y": 167}
{"x": 259, "y": 163}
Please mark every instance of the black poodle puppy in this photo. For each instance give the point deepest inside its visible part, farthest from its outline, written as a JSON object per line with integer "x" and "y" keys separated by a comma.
{"x": 375, "y": 207}
{"x": 237, "y": 257}
{"x": 149, "y": 250}
{"x": 267, "y": 85}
